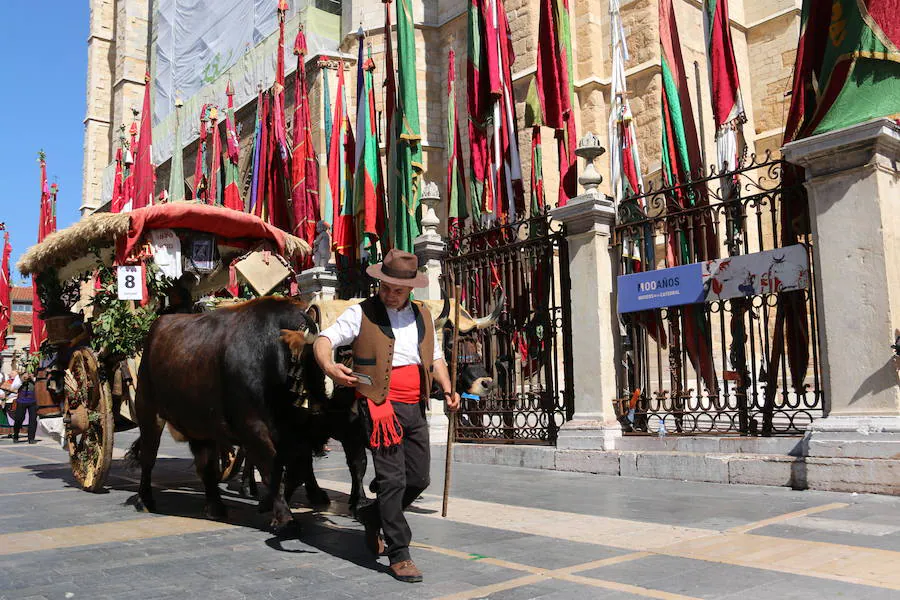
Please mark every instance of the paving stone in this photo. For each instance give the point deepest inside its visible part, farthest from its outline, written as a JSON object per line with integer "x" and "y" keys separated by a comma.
{"x": 328, "y": 559}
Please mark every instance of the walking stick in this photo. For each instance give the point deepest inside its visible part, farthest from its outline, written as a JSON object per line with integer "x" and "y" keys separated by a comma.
{"x": 451, "y": 426}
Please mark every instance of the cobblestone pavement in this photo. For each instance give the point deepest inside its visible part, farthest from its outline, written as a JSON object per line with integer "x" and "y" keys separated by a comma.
{"x": 510, "y": 534}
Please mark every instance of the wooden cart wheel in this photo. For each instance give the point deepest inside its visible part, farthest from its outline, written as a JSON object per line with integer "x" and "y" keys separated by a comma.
{"x": 88, "y": 420}
{"x": 230, "y": 462}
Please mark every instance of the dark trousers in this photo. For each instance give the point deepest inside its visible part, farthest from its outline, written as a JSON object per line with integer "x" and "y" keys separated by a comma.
{"x": 20, "y": 417}
{"x": 402, "y": 474}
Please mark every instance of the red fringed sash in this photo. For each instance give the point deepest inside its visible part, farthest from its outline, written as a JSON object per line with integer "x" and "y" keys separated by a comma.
{"x": 386, "y": 428}
{"x": 404, "y": 388}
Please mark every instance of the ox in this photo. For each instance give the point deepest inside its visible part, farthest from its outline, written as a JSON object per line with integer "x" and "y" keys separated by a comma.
{"x": 230, "y": 377}
{"x": 338, "y": 420}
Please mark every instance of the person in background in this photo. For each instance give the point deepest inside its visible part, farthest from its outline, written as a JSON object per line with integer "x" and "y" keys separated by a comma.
{"x": 26, "y": 402}
{"x": 7, "y": 401}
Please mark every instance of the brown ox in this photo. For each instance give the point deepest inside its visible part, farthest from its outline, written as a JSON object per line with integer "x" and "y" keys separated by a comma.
{"x": 224, "y": 378}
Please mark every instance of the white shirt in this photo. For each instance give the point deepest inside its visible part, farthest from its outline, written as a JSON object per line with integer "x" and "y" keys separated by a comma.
{"x": 403, "y": 323}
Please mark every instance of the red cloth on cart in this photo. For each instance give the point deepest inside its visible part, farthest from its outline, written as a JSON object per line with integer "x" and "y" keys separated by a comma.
{"x": 227, "y": 224}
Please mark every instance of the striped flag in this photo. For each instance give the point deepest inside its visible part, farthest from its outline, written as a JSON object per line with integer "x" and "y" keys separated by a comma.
{"x": 256, "y": 200}
{"x": 278, "y": 175}
{"x": 304, "y": 164}
{"x": 481, "y": 69}
{"x": 176, "y": 175}
{"x": 390, "y": 110}
{"x": 556, "y": 90}
{"x": 368, "y": 188}
{"x": 231, "y": 196}
{"x": 538, "y": 201}
{"x": 457, "y": 210}
{"x": 624, "y": 162}
{"x": 727, "y": 106}
{"x": 143, "y": 168}
{"x": 408, "y": 139}
{"x": 215, "y": 186}
{"x": 46, "y": 226}
{"x": 5, "y": 289}
{"x": 128, "y": 168}
{"x": 846, "y": 70}
{"x": 625, "y": 168}
{"x": 328, "y": 216}
{"x": 343, "y": 241}
{"x": 201, "y": 174}
{"x": 118, "y": 191}
{"x": 496, "y": 183}
{"x": 680, "y": 154}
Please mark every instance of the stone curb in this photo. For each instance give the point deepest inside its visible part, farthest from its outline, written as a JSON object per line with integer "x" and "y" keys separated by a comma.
{"x": 865, "y": 475}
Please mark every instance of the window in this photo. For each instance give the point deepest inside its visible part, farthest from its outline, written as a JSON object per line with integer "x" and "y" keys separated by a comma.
{"x": 24, "y": 307}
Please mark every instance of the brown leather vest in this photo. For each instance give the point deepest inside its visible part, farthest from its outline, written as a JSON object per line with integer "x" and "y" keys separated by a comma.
{"x": 373, "y": 349}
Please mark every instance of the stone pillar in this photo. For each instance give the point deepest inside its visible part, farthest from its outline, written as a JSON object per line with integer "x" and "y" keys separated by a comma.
{"x": 589, "y": 220}
{"x": 853, "y": 178}
{"x": 6, "y": 357}
{"x": 429, "y": 248}
{"x": 317, "y": 283}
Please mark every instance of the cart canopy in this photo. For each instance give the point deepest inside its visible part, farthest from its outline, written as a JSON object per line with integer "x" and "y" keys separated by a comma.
{"x": 116, "y": 235}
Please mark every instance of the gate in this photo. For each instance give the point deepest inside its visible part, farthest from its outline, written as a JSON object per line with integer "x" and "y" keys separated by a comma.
{"x": 748, "y": 365}
{"x": 528, "y": 352}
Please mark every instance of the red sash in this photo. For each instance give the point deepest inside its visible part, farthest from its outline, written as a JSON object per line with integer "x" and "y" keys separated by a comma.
{"x": 404, "y": 388}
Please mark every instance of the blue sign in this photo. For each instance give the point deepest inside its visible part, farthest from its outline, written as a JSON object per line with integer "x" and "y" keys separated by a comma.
{"x": 661, "y": 288}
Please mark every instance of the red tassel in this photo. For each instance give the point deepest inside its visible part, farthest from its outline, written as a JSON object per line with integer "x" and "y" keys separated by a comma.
{"x": 386, "y": 429}
{"x": 145, "y": 300}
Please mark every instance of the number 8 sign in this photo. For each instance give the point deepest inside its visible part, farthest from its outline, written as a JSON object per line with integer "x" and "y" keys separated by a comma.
{"x": 129, "y": 283}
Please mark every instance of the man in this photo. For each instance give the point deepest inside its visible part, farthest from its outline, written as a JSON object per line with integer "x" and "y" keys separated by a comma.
{"x": 395, "y": 358}
{"x": 26, "y": 401}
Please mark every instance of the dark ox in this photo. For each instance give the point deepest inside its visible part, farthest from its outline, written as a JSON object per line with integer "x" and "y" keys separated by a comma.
{"x": 225, "y": 378}
{"x": 338, "y": 419}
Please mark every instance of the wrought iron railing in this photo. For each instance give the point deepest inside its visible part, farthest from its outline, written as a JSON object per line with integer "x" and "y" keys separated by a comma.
{"x": 748, "y": 365}
{"x": 528, "y": 352}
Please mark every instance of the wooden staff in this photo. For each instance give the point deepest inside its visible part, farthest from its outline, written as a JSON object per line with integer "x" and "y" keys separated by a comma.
{"x": 451, "y": 426}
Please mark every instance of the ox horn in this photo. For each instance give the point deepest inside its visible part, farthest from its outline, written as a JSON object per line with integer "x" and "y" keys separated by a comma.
{"x": 445, "y": 309}
{"x": 491, "y": 319}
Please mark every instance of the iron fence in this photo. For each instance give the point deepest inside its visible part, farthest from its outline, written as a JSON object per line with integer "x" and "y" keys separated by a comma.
{"x": 528, "y": 352}
{"x": 747, "y": 365}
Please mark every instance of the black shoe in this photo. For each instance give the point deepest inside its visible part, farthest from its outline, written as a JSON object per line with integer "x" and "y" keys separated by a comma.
{"x": 15, "y": 439}
{"x": 374, "y": 541}
{"x": 33, "y": 441}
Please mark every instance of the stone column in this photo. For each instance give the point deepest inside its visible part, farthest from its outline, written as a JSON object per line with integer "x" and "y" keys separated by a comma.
{"x": 6, "y": 357}
{"x": 589, "y": 220}
{"x": 429, "y": 248}
{"x": 853, "y": 178}
{"x": 317, "y": 283}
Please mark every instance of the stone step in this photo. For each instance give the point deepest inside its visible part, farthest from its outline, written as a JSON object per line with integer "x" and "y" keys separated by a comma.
{"x": 880, "y": 476}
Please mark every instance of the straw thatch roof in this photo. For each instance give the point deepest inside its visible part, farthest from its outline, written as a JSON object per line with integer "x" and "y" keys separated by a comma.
{"x": 72, "y": 246}
{"x": 76, "y": 241}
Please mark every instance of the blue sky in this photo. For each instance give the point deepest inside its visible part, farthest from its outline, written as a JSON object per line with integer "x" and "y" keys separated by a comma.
{"x": 43, "y": 70}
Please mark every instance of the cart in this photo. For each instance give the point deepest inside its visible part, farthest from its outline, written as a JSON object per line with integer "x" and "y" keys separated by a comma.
{"x": 94, "y": 376}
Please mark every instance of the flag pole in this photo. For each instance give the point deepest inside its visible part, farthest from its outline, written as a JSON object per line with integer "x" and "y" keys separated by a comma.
{"x": 451, "y": 425}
